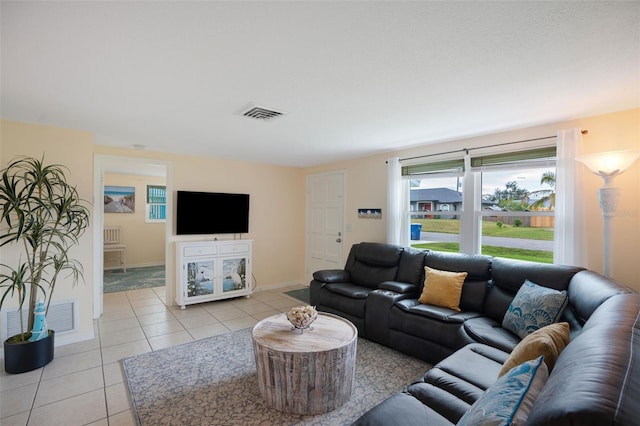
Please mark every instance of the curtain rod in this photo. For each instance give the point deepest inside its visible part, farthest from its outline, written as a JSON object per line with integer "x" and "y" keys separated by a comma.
{"x": 466, "y": 150}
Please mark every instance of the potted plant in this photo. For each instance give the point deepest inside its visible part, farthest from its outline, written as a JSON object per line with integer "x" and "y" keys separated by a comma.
{"x": 43, "y": 216}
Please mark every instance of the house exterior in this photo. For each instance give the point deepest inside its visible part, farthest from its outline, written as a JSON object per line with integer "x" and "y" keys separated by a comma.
{"x": 439, "y": 200}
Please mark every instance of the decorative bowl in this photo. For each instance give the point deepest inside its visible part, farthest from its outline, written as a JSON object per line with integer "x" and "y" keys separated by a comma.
{"x": 301, "y": 317}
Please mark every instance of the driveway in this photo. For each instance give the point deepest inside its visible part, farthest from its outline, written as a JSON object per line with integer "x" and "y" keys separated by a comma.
{"x": 522, "y": 243}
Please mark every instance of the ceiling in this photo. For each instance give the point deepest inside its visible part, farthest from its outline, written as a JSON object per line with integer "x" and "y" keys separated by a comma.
{"x": 354, "y": 78}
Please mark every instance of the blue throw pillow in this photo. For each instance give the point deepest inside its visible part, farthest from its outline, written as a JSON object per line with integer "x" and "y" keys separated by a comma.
{"x": 510, "y": 399}
{"x": 534, "y": 307}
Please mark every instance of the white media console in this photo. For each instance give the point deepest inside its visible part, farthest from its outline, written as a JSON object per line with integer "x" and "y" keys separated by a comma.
{"x": 212, "y": 270}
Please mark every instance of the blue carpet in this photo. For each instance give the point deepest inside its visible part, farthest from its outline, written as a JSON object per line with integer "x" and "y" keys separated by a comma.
{"x": 301, "y": 294}
{"x": 133, "y": 279}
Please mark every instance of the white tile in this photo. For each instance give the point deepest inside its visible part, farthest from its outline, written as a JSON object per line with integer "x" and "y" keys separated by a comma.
{"x": 120, "y": 324}
{"x": 12, "y": 381}
{"x": 112, "y": 373}
{"x": 116, "y": 314}
{"x": 122, "y": 419}
{"x": 117, "y": 352}
{"x": 208, "y": 331}
{"x": 16, "y": 420}
{"x": 198, "y": 321}
{"x": 155, "y": 318}
{"x": 117, "y": 399}
{"x": 78, "y": 410}
{"x": 143, "y": 293}
{"x": 150, "y": 309}
{"x": 69, "y": 385}
{"x": 267, "y": 314}
{"x": 147, "y": 301}
{"x": 17, "y": 400}
{"x": 79, "y": 347}
{"x": 121, "y": 336}
{"x": 160, "y": 328}
{"x": 171, "y": 339}
{"x": 62, "y": 365}
{"x": 240, "y": 323}
{"x": 229, "y": 314}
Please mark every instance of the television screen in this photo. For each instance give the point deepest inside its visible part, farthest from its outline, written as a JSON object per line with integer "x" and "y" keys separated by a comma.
{"x": 211, "y": 213}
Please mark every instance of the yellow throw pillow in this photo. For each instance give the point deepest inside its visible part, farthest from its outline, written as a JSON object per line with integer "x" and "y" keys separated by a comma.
{"x": 442, "y": 288}
{"x": 548, "y": 341}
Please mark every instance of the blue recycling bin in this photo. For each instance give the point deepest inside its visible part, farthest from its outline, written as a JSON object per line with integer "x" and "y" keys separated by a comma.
{"x": 415, "y": 231}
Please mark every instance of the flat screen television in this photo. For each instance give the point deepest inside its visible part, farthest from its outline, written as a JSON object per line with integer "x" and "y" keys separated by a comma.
{"x": 211, "y": 213}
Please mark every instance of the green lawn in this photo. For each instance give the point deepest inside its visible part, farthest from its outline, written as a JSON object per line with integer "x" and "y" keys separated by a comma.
{"x": 511, "y": 253}
{"x": 489, "y": 229}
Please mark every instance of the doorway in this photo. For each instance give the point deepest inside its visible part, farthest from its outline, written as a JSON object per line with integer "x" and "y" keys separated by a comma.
{"x": 106, "y": 164}
{"x": 325, "y": 222}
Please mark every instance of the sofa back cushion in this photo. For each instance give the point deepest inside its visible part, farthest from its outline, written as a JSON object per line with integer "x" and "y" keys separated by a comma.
{"x": 411, "y": 267}
{"x": 587, "y": 291}
{"x": 373, "y": 263}
{"x": 508, "y": 275}
{"x": 478, "y": 269}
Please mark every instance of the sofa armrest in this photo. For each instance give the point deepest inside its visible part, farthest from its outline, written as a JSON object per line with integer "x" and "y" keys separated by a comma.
{"x": 379, "y": 303}
{"x": 332, "y": 276}
{"x": 398, "y": 287}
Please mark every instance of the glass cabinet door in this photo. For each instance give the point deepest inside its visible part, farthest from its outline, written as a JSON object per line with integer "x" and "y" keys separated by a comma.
{"x": 200, "y": 278}
{"x": 234, "y": 274}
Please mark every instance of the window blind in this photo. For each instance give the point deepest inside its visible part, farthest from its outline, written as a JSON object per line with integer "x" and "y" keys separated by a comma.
{"x": 455, "y": 166}
{"x": 527, "y": 156}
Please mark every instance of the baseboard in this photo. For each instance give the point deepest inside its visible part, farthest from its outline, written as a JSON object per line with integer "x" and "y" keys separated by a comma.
{"x": 276, "y": 286}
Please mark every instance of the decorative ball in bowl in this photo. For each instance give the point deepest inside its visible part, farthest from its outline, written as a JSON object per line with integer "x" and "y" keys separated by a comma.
{"x": 301, "y": 317}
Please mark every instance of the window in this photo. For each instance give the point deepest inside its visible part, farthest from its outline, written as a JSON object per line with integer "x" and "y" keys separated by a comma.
{"x": 156, "y": 210}
{"x": 435, "y": 204}
{"x": 518, "y": 219}
{"x": 505, "y": 210}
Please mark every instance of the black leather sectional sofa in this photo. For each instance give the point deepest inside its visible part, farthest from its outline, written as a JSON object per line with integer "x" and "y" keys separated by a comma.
{"x": 595, "y": 381}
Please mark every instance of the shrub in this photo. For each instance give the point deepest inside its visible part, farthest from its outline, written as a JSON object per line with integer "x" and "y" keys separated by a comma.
{"x": 499, "y": 224}
{"x": 517, "y": 223}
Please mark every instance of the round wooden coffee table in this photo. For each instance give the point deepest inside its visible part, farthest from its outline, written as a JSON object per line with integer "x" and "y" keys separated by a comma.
{"x": 309, "y": 372}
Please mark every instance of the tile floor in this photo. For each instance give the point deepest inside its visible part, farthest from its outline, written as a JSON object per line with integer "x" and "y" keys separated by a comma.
{"x": 84, "y": 384}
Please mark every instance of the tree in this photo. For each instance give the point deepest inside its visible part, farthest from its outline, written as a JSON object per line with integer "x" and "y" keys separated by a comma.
{"x": 511, "y": 196}
{"x": 547, "y": 197}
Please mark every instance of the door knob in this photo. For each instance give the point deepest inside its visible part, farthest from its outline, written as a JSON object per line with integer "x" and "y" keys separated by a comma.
{"x": 338, "y": 240}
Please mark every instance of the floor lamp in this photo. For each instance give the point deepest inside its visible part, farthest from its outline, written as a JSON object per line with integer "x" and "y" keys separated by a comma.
{"x": 608, "y": 165}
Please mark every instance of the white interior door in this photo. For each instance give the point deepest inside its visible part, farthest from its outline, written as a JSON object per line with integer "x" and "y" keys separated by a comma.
{"x": 325, "y": 222}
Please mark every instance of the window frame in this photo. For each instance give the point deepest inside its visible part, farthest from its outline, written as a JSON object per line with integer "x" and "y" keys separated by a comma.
{"x": 471, "y": 212}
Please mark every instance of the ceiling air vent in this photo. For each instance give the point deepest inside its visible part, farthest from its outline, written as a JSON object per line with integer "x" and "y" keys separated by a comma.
{"x": 261, "y": 113}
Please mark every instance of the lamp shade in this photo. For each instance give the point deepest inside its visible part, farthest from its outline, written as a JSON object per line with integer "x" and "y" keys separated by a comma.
{"x": 609, "y": 163}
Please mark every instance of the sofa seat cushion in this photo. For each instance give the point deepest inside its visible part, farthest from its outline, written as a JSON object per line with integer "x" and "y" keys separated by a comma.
{"x": 452, "y": 385}
{"x": 487, "y": 331}
{"x": 402, "y": 409}
{"x": 427, "y": 322}
{"x": 435, "y": 312}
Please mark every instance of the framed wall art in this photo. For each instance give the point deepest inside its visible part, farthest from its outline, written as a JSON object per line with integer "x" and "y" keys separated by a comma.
{"x": 119, "y": 199}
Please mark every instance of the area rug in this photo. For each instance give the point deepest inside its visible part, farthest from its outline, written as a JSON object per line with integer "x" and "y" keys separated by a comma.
{"x": 300, "y": 294}
{"x": 133, "y": 279}
{"x": 213, "y": 382}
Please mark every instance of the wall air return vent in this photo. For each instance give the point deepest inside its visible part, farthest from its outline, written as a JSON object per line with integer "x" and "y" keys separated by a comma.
{"x": 262, "y": 113}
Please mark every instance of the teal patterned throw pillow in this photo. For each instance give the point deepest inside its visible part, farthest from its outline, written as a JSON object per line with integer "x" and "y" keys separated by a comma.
{"x": 510, "y": 399}
{"x": 534, "y": 307}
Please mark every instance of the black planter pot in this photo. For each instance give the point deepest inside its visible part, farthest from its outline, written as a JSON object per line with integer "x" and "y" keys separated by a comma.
{"x": 27, "y": 356}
